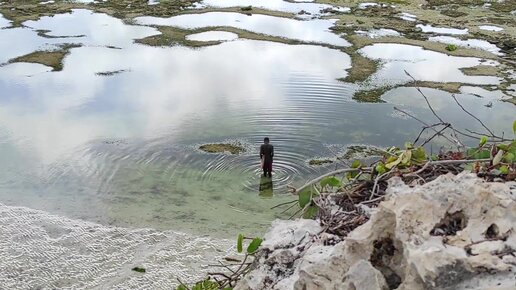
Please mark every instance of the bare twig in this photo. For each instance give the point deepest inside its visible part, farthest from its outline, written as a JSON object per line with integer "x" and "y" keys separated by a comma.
{"x": 426, "y": 124}
{"x": 473, "y": 116}
{"x": 436, "y": 134}
{"x": 284, "y": 203}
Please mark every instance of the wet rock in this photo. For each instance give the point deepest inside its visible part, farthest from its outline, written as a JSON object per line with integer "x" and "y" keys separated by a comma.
{"x": 456, "y": 232}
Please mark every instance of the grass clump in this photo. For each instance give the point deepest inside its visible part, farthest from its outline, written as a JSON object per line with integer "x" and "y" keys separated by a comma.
{"x": 50, "y": 58}
{"x": 222, "y": 147}
{"x": 361, "y": 69}
{"x": 370, "y": 96}
{"x": 319, "y": 162}
{"x": 451, "y": 47}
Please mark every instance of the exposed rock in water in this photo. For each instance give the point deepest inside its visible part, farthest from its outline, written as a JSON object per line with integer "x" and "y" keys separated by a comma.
{"x": 456, "y": 232}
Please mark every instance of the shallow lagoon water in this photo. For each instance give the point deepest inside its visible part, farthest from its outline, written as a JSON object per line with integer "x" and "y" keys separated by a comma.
{"x": 4, "y": 22}
{"x": 424, "y": 65}
{"x": 473, "y": 43}
{"x": 491, "y": 28}
{"x": 126, "y": 144}
{"x": 442, "y": 30}
{"x": 309, "y": 31}
{"x": 89, "y": 28}
{"x": 275, "y": 5}
{"x": 121, "y": 149}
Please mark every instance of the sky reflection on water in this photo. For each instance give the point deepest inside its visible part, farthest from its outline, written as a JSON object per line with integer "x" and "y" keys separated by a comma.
{"x": 126, "y": 144}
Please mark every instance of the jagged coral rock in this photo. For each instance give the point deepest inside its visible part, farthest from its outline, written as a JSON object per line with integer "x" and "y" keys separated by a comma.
{"x": 456, "y": 232}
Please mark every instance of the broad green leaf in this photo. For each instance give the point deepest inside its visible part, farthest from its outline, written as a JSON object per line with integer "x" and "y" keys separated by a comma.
{"x": 405, "y": 157}
{"x": 240, "y": 242}
{"x": 394, "y": 163}
{"x": 483, "y": 141}
{"x": 355, "y": 164}
{"x": 380, "y": 168}
{"x": 434, "y": 157}
{"x": 408, "y": 145}
{"x": 509, "y": 157}
{"x": 503, "y": 147}
{"x": 352, "y": 174}
{"x": 331, "y": 181}
{"x": 254, "y": 245}
{"x": 498, "y": 157}
{"x": 311, "y": 212}
{"x": 419, "y": 154}
{"x": 391, "y": 159}
{"x": 206, "y": 285}
{"x": 474, "y": 153}
{"x": 514, "y": 127}
{"x": 305, "y": 197}
{"x": 504, "y": 169}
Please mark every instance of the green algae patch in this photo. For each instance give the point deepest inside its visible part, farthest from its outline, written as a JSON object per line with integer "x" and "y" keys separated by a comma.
{"x": 361, "y": 68}
{"x": 50, "y": 58}
{"x": 450, "y": 87}
{"x": 481, "y": 70}
{"x": 319, "y": 162}
{"x": 371, "y": 96}
{"x": 222, "y": 148}
{"x": 360, "y": 151}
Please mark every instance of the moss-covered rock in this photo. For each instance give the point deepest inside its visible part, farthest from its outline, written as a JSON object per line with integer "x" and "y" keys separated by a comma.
{"x": 222, "y": 147}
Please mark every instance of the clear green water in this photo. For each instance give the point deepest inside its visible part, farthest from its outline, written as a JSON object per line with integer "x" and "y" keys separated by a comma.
{"x": 122, "y": 149}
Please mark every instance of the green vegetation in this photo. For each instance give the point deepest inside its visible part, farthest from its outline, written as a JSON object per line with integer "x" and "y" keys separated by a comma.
{"x": 360, "y": 151}
{"x": 51, "y": 58}
{"x": 222, "y": 147}
{"x": 451, "y": 47}
{"x": 319, "y": 162}
{"x": 238, "y": 268}
{"x": 481, "y": 70}
{"x": 361, "y": 67}
{"x": 139, "y": 269}
{"x": 371, "y": 96}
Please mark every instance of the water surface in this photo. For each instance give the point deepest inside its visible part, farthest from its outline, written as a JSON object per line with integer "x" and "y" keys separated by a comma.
{"x": 424, "y": 65}
{"x": 309, "y": 31}
{"x": 125, "y": 143}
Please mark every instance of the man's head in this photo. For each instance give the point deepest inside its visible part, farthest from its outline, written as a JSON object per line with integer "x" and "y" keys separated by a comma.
{"x": 266, "y": 140}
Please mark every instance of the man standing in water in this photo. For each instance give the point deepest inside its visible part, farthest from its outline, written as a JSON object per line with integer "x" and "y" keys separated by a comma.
{"x": 266, "y": 154}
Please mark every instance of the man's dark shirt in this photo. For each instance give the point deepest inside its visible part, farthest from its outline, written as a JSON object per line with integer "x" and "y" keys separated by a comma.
{"x": 267, "y": 152}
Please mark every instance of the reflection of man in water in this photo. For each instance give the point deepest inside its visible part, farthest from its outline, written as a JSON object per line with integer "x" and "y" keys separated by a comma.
{"x": 266, "y": 187}
{"x": 266, "y": 154}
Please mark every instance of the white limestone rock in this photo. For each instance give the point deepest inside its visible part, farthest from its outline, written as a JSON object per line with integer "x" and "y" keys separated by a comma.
{"x": 456, "y": 232}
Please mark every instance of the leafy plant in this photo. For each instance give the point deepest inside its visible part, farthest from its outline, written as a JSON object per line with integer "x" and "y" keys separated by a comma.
{"x": 451, "y": 47}
{"x": 139, "y": 269}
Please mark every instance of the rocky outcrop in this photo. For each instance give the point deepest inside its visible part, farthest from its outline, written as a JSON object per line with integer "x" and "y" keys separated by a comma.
{"x": 457, "y": 232}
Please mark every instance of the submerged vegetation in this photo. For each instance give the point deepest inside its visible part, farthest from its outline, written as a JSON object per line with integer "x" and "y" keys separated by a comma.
{"x": 319, "y": 162}
{"x": 222, "y": 147}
